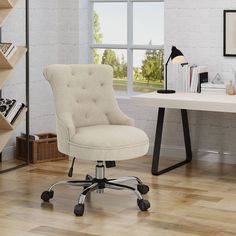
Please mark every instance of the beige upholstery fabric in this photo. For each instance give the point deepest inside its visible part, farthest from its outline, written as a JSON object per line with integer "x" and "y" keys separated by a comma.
{"x": 90, "y": 124}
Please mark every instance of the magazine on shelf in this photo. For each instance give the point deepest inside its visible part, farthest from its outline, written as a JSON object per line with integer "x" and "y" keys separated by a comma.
{"x": 16, "y": 113}
{"x": 10, "y": 109}
{"x": 8, "y": 49}
{"x": 6, "y": 105}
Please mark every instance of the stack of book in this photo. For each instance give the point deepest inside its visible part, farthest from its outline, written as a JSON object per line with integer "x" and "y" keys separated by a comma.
{"x": 31, "y": 136}
{"x": 210, "y": 88}
{"x": 10, "y": 109}
{"x": 191, "y": 77}
{"x": 8, "y": 49}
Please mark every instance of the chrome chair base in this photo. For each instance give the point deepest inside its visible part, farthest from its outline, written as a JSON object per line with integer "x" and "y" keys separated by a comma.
{"x": 99, "y": 183}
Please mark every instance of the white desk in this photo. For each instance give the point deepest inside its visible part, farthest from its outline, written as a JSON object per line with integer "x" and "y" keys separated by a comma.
{"x": 184, "y": 102}
{"x": 189, "y": 101}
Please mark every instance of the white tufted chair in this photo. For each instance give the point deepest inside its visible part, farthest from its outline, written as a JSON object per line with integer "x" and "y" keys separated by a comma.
{"x": 91, "y": 126}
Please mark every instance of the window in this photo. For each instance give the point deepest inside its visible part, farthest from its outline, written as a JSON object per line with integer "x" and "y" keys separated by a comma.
{"x": 129, "y": 36}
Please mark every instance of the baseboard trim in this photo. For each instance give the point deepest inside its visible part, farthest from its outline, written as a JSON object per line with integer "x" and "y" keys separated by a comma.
{"x": 199, "y": 154}
{"x": 166, "y": 150}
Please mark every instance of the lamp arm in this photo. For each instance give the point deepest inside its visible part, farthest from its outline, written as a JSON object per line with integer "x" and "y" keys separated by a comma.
{"x": 166, "y": 71}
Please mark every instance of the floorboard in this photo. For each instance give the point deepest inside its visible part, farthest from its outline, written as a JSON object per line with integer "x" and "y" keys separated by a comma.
{"x": 198, "y": 199}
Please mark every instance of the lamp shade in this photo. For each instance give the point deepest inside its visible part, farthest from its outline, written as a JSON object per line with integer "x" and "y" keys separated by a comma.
{"x": 176, "y": 56}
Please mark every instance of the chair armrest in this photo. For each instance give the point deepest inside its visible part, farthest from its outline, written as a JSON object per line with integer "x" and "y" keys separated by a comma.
{"x": 65, "y": 130}
{"x": 119, "y": 118}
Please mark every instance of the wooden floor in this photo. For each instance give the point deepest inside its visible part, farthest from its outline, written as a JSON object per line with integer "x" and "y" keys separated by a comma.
{"x": 196, "y": 200}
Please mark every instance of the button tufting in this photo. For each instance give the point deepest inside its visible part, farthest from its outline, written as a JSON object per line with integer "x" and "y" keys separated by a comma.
{"x": 83, "y": 87}
{"x": 102, "y": 84}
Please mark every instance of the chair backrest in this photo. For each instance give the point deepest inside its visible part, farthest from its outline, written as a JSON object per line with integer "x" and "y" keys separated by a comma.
{"x": 83, "y": 92}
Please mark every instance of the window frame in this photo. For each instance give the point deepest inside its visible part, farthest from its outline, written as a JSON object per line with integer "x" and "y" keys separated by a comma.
{"x": 130, "y": 46}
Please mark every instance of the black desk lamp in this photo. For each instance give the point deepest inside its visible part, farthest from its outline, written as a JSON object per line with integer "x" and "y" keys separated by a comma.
{"x": 176, "y": 57}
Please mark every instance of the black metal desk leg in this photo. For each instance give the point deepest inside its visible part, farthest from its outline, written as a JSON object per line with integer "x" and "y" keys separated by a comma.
{"x": 157, "y": 147}
{"x": 157, "y": 144}
{"x": 187, "y": 140}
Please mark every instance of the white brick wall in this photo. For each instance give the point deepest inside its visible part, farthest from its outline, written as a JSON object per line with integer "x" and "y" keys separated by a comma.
{"x": 83, "y": 31}
{"x": 54, "y": 38}
{"x": 196, "y": 27}
{"x": 58, "y": 33}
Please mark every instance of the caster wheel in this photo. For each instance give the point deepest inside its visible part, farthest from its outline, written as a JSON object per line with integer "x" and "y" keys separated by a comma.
{"x": 143, "y": 204}
{"x": 143, "y": 189}
{"x": 79, "y": 209}
{"x": 47, "y": 195}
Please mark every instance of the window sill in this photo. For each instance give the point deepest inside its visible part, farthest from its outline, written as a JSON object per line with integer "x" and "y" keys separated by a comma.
{"x": 119, "y": 97}
{"x": 126, "y": 95}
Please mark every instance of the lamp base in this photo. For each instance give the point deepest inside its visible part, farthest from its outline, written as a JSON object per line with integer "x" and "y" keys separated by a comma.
{"x": 165, "y": 91}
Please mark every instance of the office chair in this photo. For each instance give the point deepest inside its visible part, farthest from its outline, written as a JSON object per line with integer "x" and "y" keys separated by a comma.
{"x": 91, "y": 126}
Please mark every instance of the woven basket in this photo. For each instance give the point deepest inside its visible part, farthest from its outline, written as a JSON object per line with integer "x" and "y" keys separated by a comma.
{"x": 42, "y": 150}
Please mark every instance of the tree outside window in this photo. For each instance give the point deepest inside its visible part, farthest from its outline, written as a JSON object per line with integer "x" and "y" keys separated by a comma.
{"x": 147, "y": 67}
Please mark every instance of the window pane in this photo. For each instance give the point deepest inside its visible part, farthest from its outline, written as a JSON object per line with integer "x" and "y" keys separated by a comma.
{"x": 148, "y": 71}
{"x": 110, "y": 23}
{"x": 148, "y": 21}
{"x": 118, "y": 60}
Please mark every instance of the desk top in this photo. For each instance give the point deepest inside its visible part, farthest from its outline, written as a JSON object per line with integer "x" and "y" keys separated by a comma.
{"x": 189, "y": 101}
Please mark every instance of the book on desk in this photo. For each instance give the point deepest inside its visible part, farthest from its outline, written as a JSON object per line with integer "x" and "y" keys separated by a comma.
{"x": 193, "y": 76}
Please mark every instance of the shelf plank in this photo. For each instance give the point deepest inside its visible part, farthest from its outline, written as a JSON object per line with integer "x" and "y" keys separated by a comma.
{"x": 4, "y": 73}
{"x": 4, "y": 14}
{"x": 5, "y": 9}
{"x": 4, "y": 137}
{"x": 4, "y": 124}
{"x": 5, "y": 134}
{"x": 9, "y": 64}
{"x": 4, "y": 62}
{"x": 6, "y": 4}
{"x": 20, "y": 52}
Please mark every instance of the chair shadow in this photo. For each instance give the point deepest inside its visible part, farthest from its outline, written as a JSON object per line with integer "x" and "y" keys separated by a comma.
{"x": 47, "y": 206}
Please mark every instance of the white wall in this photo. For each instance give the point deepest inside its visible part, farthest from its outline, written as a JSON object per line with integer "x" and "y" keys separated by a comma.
{"x": 83, "y": 31}
{"x": 57, "y": 33}
{"x": 53, "y": 39}
{"x": 196, "y": 27}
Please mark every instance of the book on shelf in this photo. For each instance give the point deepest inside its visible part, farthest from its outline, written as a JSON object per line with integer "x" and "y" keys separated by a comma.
{"x": 6, "y": 105}
{"x": 8, "y": 49}
{"x": 211, "y": 88}
{"x": 193, "y": 76}
{"x": 10, "y": 109}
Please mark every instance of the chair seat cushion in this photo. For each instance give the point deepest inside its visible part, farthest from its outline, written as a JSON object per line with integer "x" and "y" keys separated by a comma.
{"x": 109, "y": 142}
